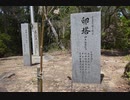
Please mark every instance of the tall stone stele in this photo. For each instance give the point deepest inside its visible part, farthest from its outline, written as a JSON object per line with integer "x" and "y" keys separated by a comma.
{"x": 85, "y": 46}
{"x": 36, "y": 38}
{"x": 26, "y": 44}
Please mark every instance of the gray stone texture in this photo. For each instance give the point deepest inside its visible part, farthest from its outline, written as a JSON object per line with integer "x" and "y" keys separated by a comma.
{"x": 26, "y": 45}
{"x": 35, "y": 41}
{"x": 85, "y": 47}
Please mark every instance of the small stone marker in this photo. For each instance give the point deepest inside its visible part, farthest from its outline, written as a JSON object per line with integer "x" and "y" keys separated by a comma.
{"x": 25, "y": 30}
{"x": 85, "y": 45}
{"x": 35, "y": 35}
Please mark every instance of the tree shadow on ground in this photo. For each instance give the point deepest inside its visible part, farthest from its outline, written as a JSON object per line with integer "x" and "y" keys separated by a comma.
{"x": 35, "y": 64}
{"x": 114, "y": 52}
{"x": 6, "y": 58}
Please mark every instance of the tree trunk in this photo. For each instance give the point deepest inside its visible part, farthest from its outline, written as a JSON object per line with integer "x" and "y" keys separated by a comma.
{"x": 63, "y": 31}
{"x": 55, "y": 34}
{"x": 53, "y": 29}
{"x": 127, "y": 16}
{"x": 44, "y": 10}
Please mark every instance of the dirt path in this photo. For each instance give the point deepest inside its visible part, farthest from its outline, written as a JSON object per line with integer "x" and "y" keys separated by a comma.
{"x": 18, "y": 78}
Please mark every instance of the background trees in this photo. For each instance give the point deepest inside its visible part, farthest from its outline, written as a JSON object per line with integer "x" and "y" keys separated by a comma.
{"x": 10, "y": 32}
{"x": 115, "y": 31}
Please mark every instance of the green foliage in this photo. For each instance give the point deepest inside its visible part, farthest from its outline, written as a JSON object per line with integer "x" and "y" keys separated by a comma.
{"x": 3, "y": 48}
{"x": 127, "y": 70}
{"x": 128, "y": 75}
{"x": 4, "y": 43}
{"x": 127, "y": 57}
{"x": 123, "y": 39}
{"x": 115, "y": 27}
{"x": 11, "y": 18}
{"x": 53, "y": 47}
{"x": 116, "y": 30}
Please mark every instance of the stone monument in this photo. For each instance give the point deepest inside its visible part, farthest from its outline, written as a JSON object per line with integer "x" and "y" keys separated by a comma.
{"x": 85, "y": 46}
{"x": 35, "y": 39}
{"x": 26, "y": 44}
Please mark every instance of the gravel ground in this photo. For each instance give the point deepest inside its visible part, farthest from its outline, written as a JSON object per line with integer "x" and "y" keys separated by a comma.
{"x": 57, "y": 68}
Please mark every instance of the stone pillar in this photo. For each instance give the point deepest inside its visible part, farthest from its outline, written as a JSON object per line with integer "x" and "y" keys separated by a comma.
{"x": 85, "y": 46}
{"x": 26, "y": 44}
{"x": 35, "y": 39}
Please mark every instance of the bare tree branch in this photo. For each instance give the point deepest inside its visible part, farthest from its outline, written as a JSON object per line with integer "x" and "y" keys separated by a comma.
{"x": 123, "y": 10}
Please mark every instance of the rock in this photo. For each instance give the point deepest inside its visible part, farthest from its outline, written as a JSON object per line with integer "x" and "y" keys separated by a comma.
{"x": 6, "y": 75}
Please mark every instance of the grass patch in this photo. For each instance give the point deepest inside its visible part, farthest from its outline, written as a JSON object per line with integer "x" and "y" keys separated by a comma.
{"x": 127, "y": 57}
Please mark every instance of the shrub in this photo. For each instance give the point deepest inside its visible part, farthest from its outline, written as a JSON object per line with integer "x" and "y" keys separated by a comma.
{"x": 4, "y": 43}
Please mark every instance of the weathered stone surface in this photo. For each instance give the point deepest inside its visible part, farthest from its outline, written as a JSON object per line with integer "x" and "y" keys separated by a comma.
{"x": 35, "y": 37}
{"x": 85, "y": 46}
{"x": 26, "y": 45}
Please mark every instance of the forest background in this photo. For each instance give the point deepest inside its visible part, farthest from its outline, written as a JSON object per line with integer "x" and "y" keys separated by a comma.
{"x": 115, "y": 27}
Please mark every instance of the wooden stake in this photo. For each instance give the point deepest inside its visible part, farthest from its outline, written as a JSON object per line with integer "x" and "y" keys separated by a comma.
{"x": 40, "y": 83}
